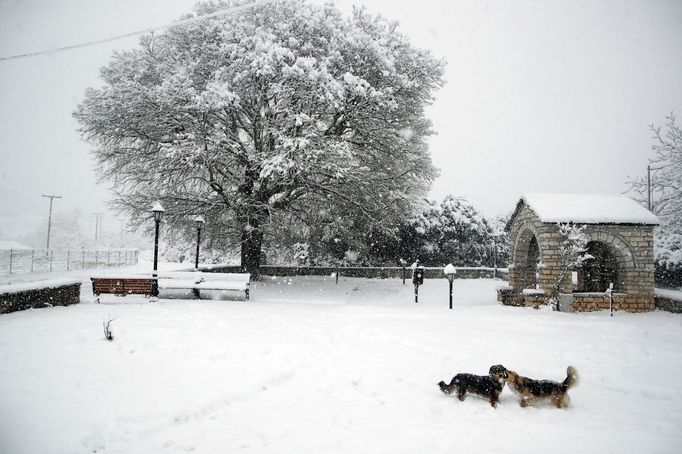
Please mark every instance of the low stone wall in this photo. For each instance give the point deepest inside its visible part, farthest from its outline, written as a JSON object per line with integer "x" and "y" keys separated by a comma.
{"x": 19, "y": 297}
{"x": 589, "y": 302}
{"x": 367, "y": 272}
{"x": 580, "y": 302}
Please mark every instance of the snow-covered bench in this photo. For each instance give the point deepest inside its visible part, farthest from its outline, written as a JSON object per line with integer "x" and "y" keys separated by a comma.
{"x": 197, "y": 281}
{"x": 177, "y": 280}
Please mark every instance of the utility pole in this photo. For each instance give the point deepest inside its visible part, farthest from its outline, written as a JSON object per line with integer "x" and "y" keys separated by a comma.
{"x": 49, "y": 217}
{"x": 648, "y": 186}
{"x": 98, "y": 224}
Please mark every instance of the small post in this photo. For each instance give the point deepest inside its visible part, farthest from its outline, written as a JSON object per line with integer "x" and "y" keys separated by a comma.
{"x": 609, "y": 291}
{"x": 10, "y": 261}
{"x": 403, "y": 263}
{"x": 337, "y": 273}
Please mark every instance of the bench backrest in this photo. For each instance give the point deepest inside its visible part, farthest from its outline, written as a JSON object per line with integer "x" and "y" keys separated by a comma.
{"x": 122, "y": 285}
{"x": 198, "y": 275}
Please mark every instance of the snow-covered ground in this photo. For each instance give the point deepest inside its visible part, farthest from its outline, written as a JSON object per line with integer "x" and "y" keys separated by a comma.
{"x": 308, "y": 366}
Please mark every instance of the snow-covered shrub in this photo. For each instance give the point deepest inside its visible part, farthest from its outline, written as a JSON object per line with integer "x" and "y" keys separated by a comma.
{"x": 453, "y": 231}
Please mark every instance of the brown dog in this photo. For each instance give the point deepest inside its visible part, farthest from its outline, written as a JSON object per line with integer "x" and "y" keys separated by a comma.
{"x": 530, "y": 390}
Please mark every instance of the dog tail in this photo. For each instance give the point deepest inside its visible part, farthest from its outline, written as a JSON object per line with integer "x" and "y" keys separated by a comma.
{"x": 447, "y": 389}
{"x": 571, "y": 377}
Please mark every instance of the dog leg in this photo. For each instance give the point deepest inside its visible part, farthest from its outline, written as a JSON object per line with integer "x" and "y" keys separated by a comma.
{"x": 564, "y": 401}
{"x": 461, "y": 394}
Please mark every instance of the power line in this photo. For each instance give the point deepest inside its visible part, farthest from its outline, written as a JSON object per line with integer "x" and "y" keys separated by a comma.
{"x": 17, "y": 203}
{"x": 17, "y": 195}
{"x": 191, "y": 20}
{"x": 24, "y": 203}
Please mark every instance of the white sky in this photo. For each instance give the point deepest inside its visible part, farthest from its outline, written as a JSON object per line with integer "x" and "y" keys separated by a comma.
{"x": 542, "y": 96}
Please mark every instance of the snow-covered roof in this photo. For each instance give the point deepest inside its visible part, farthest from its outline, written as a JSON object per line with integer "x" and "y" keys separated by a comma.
{"x": 588, "y": 209}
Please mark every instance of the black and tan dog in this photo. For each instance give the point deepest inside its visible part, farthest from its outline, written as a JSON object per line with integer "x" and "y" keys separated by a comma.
{"x": 530, "y": 390}
{"x": 489, "y": 386}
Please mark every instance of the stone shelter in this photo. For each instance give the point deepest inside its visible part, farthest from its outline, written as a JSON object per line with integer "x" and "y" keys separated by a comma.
{"x": 620, "y": 241}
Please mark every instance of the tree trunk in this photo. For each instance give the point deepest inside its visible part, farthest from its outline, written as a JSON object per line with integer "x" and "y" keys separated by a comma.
{"x": 252, "y": 241}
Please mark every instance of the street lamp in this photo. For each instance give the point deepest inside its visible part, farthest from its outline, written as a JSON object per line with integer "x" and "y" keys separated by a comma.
{"x": 157, "y": 211}
{"x": 199, "y": 221}
{"x": 417, "y": 278}
{"x": 450, "y": 272}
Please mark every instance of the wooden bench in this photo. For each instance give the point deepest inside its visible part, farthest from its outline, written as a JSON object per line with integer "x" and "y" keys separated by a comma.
{"x": 121, "y": 285}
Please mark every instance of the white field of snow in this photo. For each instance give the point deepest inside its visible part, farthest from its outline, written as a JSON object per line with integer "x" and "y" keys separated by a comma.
{"x": 308, "y": 366}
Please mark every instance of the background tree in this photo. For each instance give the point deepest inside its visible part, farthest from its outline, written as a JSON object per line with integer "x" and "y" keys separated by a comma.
{"x": 454, "y": 232}
{"x": 666, "y": 193}
{"x": 287, "y": 107}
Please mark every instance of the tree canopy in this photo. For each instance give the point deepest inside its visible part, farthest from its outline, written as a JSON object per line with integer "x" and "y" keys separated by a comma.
{"x": 666, "y": 191}
{"x": 287, "y": 107}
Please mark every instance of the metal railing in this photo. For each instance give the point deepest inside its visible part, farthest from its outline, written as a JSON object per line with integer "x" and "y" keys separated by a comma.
{"x": 15, "y": 261}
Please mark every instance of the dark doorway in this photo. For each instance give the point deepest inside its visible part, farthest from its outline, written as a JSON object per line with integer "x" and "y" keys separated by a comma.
{"x": 533, "y": 259}
{"x": 600, "y": 271}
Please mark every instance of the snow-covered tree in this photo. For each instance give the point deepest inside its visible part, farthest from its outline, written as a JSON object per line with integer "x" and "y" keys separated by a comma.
{"x": 452, "y": 232}
{"x": 666, "y": 198}
{"x": 67, "y": 231}
{"x": 666, "y": 165}
{"x": 573, "y": 252}
{"x": 286, "y": 107}
{"x": 500, "y": 239}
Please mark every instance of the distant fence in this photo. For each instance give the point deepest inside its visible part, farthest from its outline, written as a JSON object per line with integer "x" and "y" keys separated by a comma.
{"x": 15, "y": 261}
{"x": 394, "y": 272}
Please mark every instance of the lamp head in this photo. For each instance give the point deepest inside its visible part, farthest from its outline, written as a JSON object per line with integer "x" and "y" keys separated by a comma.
{"x": 450, "y": 272}
{"x": 158, "y": 211}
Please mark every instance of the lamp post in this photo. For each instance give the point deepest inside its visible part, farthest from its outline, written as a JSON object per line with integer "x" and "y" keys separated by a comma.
{"x": 450, "y": 272}
{"x": 199, "y": 221}
{"x": 417, "y": 279}
{"x": 157, "y": 211}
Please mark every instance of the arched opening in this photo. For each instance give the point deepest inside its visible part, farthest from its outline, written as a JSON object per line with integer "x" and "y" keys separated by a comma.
{"x": 532, "y": 262}
{"x": 533, "y": 253}
{"x": 598, "y": 272}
